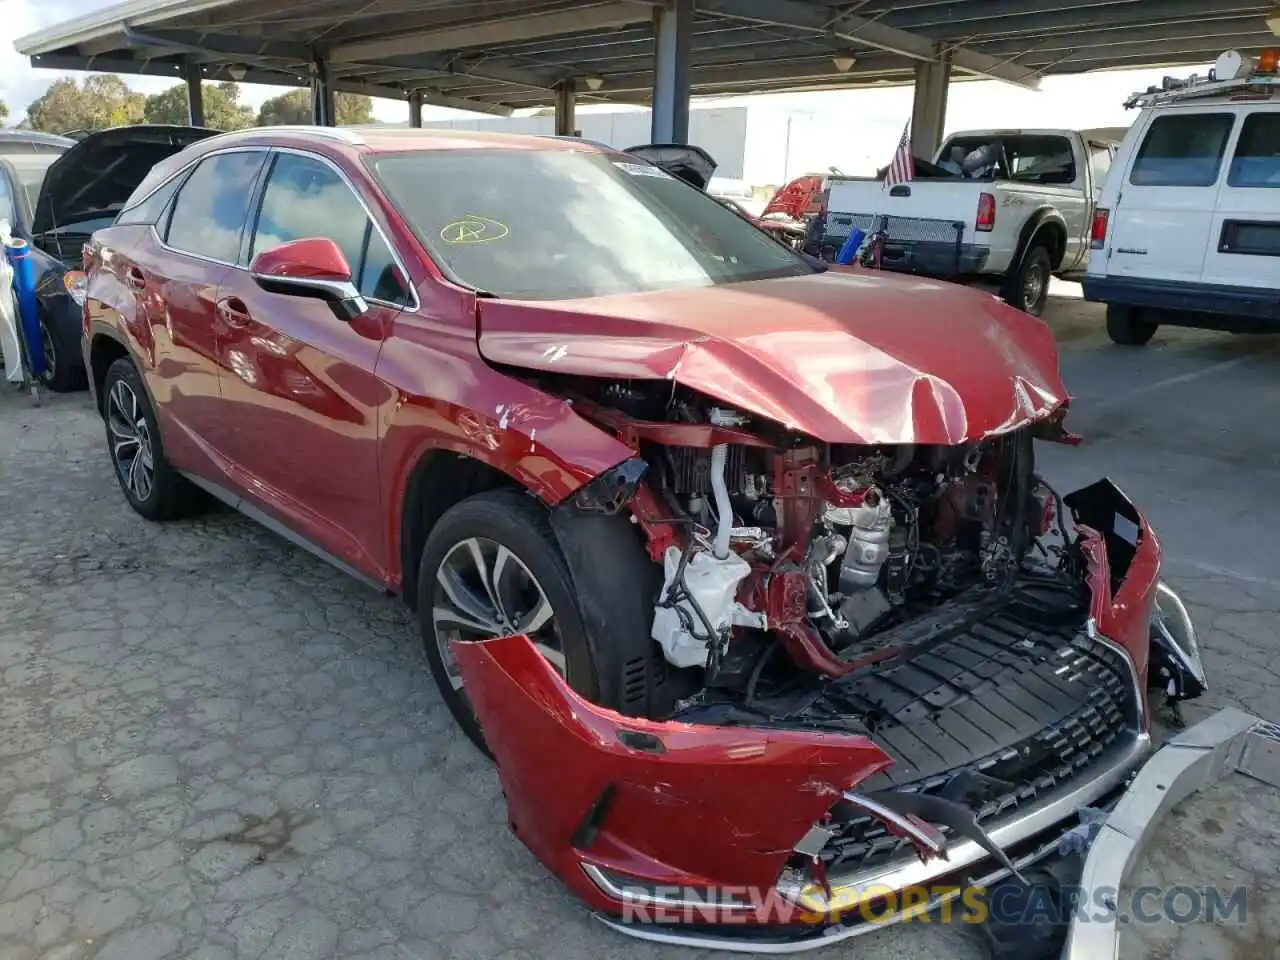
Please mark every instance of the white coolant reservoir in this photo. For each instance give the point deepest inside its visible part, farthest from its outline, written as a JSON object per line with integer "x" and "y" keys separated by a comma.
{"x": 713, "y": 582}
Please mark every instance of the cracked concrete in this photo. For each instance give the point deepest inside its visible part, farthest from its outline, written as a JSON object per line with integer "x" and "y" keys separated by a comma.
{"x": 213, "y": 746}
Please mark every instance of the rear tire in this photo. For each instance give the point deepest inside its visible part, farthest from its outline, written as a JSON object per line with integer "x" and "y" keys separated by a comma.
{"x": 1126, "y": 325}
{"x": 1028, "y": 287}
{"x": 149, "y": 482}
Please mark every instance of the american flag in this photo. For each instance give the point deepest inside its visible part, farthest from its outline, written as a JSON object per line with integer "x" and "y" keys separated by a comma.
{"x": 903, "y": 166}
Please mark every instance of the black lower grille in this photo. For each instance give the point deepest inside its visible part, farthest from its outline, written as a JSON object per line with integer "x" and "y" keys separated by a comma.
{"x": 1052, "y": 697}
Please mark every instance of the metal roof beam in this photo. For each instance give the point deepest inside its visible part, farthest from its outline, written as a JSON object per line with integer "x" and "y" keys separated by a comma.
{"x": 1102, "y": 39}
{"x": 871, "y": 33}
{"x": 232, "y": 45}
{"x": 943, "y": 16}
{"x": 1186, "y": 51}
{"x": 1115, "y": 17}
{"x": 488, "y": 33}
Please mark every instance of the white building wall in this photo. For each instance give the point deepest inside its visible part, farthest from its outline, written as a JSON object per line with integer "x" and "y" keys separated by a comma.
{"x": 721, "y": 131}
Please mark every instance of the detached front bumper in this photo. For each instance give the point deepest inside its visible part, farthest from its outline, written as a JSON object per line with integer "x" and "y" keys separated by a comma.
{"x": 706, "y": 835}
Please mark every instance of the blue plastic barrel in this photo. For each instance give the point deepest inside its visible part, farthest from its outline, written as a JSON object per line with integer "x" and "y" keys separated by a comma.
{"x": 24, "y": 285}
{"x": 850, "y": 248}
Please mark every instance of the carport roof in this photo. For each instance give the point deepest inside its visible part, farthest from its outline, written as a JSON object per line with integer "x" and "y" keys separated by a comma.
{"x": 495, "y": 55}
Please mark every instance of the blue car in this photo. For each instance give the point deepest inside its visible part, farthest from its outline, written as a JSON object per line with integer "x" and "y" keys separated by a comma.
{"x": 55, "y": 192}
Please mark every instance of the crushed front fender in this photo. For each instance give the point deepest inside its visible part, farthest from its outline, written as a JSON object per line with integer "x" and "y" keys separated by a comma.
{"x": 590, "y": 791}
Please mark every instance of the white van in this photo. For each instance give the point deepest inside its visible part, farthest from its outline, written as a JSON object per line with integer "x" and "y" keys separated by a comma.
{"x": 1187, "y": 228}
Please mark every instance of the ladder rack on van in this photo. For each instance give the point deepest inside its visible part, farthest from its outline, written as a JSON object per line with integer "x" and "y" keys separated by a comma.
{"x": 1204, "y": 87}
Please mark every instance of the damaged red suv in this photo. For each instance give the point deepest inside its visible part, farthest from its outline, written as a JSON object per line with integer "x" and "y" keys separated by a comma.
{"x": 738, "y": 565}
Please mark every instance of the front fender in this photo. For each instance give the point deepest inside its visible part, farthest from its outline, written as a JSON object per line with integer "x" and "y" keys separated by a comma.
{"x": 660, "y": 804}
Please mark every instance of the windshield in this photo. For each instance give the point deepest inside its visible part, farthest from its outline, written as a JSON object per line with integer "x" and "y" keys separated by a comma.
{"x": 557, "y": 224}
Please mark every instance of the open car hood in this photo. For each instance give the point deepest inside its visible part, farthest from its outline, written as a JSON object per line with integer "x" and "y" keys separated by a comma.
{"x": 691, "y": 164}
{"x": 845, "y": 356}
{"x": 99, "y": 172}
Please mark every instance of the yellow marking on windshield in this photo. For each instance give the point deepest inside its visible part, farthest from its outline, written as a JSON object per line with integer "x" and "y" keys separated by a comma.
{"x": 473, "y": 229}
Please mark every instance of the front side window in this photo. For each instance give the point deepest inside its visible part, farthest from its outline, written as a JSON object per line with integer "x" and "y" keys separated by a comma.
{"x": 307, "y": 198}
{"x": 559, "y": 224}
{"x": 213, "y": 204}
{"x": 1257, "y": 159}
{"x": 1182, "y": 150}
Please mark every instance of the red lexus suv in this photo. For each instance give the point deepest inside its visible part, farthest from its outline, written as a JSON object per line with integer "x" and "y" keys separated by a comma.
{"x": 738, "y": 564}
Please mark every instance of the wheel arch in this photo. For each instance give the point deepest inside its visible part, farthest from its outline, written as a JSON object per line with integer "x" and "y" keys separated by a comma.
{"x": 439, "y": 479}
{"x": 105, "y": 348}
{"x": 1045, "y": 222}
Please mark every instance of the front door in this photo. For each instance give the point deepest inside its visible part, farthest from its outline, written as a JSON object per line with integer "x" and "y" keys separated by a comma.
{"x": 302, "y": 403}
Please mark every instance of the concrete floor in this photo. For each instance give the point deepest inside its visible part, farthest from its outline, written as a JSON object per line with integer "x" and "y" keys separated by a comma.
{"x": 213, "y": 746}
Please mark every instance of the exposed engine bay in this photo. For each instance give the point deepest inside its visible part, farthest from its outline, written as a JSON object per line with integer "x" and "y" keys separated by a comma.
{"x": 830, "y": 547}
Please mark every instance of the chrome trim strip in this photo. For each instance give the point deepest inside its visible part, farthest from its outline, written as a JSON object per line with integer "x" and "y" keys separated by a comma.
{"x": 834, "y": 934}
{"x": 643, "y": 898}
{"x": 238, "y": 503}
{"x": 928, "y": 835}
{"x": 1193, "y": 760}
{"x": 846, "y": 889}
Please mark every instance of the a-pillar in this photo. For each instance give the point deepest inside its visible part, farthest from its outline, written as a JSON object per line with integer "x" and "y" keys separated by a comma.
{"x": 323, "y": 113}
{"x": 195, "y": 93}
{"x": 566, "y": 95}
{"x": 929, "y": 109}
{"x": 673, "y": 29}
{"x": 415, "y": 109}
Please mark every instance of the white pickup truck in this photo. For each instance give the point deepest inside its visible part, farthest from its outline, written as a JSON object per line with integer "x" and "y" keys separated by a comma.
{"x": 1010, "y": 207}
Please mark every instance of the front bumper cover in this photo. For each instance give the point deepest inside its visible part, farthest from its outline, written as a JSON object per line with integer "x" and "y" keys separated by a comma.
{"x": 683, "y": 833}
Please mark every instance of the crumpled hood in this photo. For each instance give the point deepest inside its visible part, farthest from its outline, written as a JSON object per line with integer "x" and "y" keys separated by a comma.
{"x": 846, "y": 356}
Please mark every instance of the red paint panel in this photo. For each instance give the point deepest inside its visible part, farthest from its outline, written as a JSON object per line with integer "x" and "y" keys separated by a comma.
{"x": 705, "y": 805}
{"x": 844, "y": 356}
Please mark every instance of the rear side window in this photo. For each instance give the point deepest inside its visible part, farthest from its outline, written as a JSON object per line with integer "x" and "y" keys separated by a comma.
{"x": 1257, "y": 159}
{"x": 213, "y": 205}
{"x": 1182, "y": 150}
{"x": 151, "y": 209}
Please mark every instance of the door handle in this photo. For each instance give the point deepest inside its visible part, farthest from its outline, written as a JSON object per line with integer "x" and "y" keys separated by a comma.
{"x": 234, "y": 313}
{"x": 136, "y": 278}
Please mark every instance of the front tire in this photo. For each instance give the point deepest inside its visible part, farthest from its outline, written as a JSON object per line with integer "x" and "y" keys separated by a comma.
{"x": 149, "y": 482}
{"x": 491, "y": 567}
{"x": 1126, "y": 325}
{"x": 1028, "y": 287}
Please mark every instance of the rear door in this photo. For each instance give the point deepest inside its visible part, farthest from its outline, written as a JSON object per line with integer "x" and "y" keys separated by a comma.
{"x": 1165, "y": 212}
{"x": 173, "y": 273}
{"x": 1244, "y": 240}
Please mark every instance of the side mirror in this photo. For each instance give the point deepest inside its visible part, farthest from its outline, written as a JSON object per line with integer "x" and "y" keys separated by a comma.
{"x": 315, "y": 268}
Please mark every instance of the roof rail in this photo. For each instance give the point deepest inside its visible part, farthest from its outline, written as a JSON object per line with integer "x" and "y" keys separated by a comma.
{"x": 331, "y": 133}
{"x": 1197, "y": 87}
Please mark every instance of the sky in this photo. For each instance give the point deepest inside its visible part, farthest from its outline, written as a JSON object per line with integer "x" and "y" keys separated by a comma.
{"x": 852, "y": 126}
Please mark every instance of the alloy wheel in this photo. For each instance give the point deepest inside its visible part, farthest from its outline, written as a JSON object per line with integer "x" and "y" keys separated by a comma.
{"x": 483, "y": 590}
{"x": 50, "y": 352}
{"x": 1033, "y": 285}
{"x": 131, "y": 449}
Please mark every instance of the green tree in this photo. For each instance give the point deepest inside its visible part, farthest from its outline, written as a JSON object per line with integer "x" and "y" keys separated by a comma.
{"x": 4, "y": 111}
{"x": 294, "y": 107}
{"x": 222, "y": 107}
{"x": 100, "y": 102}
